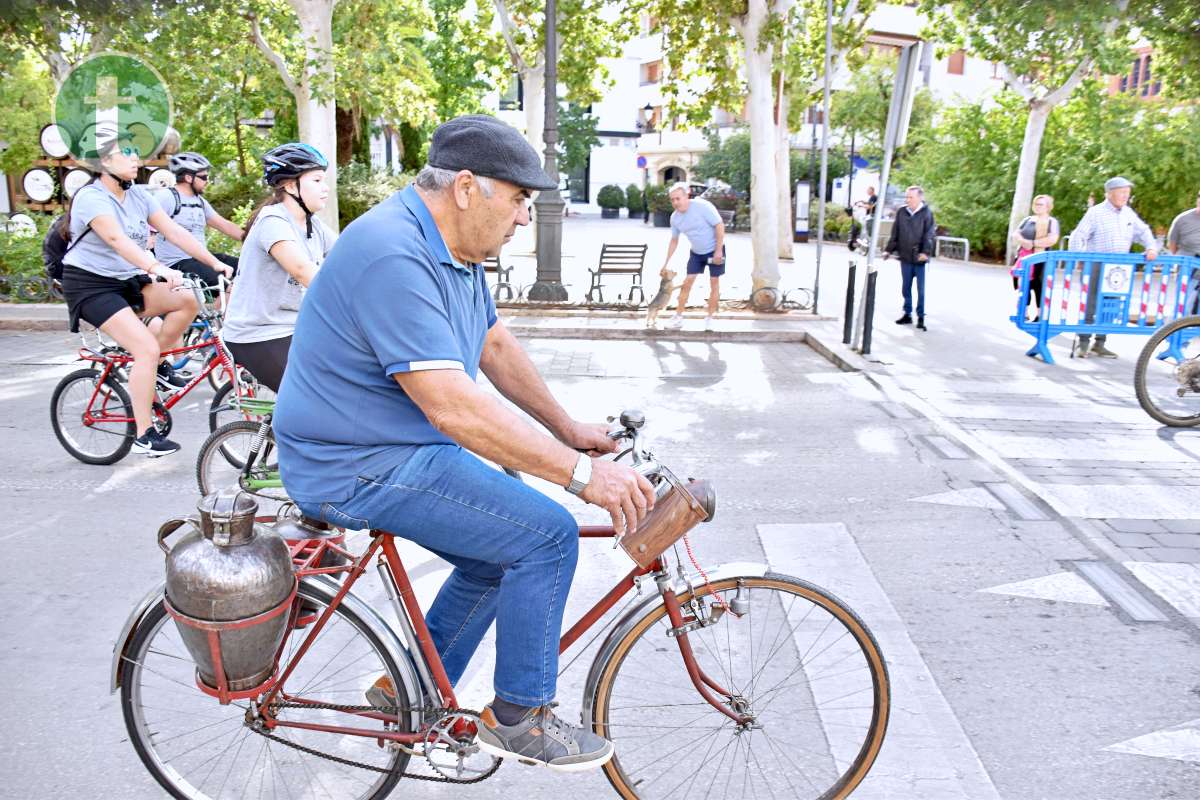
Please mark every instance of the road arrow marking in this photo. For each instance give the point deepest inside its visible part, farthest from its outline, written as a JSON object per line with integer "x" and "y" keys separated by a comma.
{"x": 1063, "y": 587}
{"x": 1180, "y": 742}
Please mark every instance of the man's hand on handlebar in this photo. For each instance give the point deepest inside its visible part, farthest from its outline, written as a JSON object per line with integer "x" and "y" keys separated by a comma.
{"x": 621, "y": 491}
{"x": 590, "y": 438}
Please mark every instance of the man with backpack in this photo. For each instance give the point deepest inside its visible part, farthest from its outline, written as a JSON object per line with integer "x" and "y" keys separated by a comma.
{"x": 185, "y": 204}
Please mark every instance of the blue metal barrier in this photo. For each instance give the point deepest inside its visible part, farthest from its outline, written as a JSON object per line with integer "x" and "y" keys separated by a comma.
{"x": 1129, "y": 295}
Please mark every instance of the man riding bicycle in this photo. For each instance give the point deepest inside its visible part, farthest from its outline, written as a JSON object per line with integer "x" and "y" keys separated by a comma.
{"x": 379, "y": 422}
{"x": 185, "y": 204}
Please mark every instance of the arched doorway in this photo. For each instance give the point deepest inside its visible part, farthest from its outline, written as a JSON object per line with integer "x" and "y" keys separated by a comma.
{"x": 672, "y": 175}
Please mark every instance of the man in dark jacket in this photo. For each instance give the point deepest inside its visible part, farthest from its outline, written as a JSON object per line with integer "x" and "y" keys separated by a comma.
{"x": 912, "y": 242}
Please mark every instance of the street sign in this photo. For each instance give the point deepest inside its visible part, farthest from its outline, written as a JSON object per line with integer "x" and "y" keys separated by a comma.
{"x": 641, "y": 162}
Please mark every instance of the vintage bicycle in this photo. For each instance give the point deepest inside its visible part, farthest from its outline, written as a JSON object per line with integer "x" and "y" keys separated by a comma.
{"x": 1167, "y": 383}
{"x": 91, "y": 412}
{"x": 733, "y": 681}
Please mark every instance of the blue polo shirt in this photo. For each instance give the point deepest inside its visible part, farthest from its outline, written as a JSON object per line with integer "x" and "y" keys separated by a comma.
{"x": 388, "y": 299}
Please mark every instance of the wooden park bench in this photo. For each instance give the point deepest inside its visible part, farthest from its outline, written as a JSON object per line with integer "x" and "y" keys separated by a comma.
{"x": 619, "y": 259}
{"x": 493, "y": 266}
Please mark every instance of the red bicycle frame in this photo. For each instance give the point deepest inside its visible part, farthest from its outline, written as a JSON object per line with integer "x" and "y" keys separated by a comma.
{"x": 113, "y": 360}
{"x": 383, "y": 545}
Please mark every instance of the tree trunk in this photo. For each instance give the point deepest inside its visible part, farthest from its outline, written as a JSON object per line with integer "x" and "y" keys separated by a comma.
{"x": 783, "y": 168}
{"x": 764, "y": 197}
{"x": 533, "y": 81}
{"x": 1031, "y": 147}
{"x": 315, "y": 109}
{"x": 345, "y": 135}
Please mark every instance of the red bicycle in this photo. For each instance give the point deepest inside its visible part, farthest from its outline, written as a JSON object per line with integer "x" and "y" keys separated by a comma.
{"x": 734, "y": 681}
{"x": 90, "y": 409}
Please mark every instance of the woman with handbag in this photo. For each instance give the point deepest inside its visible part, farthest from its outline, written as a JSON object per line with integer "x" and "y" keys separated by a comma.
{"x": 1036, "y": 233}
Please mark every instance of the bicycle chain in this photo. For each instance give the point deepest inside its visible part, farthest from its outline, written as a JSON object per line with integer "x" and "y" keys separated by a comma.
{"x": 369, "y": 767}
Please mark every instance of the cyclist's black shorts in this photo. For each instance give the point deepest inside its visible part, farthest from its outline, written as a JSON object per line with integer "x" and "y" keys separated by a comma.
{"x": 265, "y": 360}
{"x": 206, "y": 273}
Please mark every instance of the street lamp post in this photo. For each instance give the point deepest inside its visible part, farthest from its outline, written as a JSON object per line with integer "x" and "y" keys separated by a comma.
{"x": 549, "y": 204}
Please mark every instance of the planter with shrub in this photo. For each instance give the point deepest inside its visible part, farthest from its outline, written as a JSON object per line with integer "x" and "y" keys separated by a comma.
{"x": 634, "y": 201}
{"x": 659, "y": 203}
{"x": 610, "y": 199}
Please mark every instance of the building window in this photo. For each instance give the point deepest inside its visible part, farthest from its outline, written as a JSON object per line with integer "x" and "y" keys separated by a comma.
{"x": 956, "y": 62}
{"x": 651, "y": 72}
{"x": 511, "y": 98}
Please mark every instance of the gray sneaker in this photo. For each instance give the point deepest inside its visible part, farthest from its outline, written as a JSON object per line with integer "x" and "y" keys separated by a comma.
{"x": 1102, "y": 351}
{"x": 541, "y": 739}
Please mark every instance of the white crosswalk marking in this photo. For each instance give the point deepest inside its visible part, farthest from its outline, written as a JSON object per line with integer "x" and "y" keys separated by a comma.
{"x": 1064, "y": 587}
{"x": 926, "y": 753}
{"x": 1180, "y": 742}
{"x": 975, "y": 497}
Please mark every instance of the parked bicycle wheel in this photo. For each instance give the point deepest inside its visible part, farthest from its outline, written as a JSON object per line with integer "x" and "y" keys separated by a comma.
{"x": 224, "y": 408}
{"x": 1169, "y": 389}
{"x": 99, "y": 441}
{"x": 196, "y": 748}
{"x": 804, "y": 666}
{"x": 223, "y": 456}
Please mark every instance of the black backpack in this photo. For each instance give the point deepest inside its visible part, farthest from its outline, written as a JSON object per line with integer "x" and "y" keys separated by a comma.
{"x": 55, "y": 248}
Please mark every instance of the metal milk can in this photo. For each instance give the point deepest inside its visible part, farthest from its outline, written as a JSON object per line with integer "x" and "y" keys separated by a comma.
{"x": 229, "y": 588}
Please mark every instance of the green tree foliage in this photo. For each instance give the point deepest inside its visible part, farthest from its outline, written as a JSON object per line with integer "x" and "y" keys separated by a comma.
{"x": 861, "y": 108}
{"x": 577, "y": 137}
{"x": 1088, "y": 140}
{"x": 1174, "y": 28}
{"x": 465, "y": 54}
{"x": 27, "y": 93}
{"x": 728, "y": 160}
{"x": 633, "y": 198}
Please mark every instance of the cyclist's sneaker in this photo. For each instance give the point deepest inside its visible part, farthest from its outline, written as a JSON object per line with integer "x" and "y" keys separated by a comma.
{"x": 542, "y": 739}
{"x": 153, "y": 444}
{"x": 168, "y": 378}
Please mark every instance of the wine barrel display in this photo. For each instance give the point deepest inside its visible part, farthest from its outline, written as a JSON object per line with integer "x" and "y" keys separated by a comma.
{"x": 161, "y": 179}
{"x": 38, "y": 185}
{"x": 55, "y": 141}
{"x": 74, "y": 180}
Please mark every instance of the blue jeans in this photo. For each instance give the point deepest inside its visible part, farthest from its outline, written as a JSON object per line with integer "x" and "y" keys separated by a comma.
{"x": 908, "y": 271}
{"x": 513, "y": 550}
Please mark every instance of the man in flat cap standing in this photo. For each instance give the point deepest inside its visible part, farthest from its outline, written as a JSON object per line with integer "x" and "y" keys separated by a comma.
{"x": 379, "y": 422}
{"x": 1108, "y": 227}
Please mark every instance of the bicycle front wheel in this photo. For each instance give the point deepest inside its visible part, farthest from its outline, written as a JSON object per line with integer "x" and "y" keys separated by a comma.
{"x": 92, "y": 421}
{"x": 1168, "y": 389}
{"x": 800, "y": 662}
{"x": 224, "y": 408}
{"x": 223, "y": 457}
{"x": 196, "y": 748}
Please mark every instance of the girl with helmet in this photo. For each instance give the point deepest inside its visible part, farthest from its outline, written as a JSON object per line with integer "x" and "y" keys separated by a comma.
{"x": 185, "y": 204}
{"x": 284, "y": 246}
{"x": 109, "y": 274}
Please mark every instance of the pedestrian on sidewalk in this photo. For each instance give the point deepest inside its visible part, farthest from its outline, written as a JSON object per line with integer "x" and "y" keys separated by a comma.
{"x": 912, "y": 242}
{"x": 699, "y": 220}
{"x": 1035, "y": 234}
{"x": 1184, "y": 238}
{"x": 1108, "y": 227}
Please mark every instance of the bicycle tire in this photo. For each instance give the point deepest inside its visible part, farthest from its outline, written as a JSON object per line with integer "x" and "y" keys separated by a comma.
{"x": 154, "y": 655}
{"x": 1145, "y": 358}
{"x": 651, "y": 679}
{"x": 222, "y": 410}
{"x": 122, "y": 434}
{"x": 219, "y": 458}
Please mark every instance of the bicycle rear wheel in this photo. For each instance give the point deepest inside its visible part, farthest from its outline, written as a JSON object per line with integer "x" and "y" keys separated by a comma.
{"x": 100, "y": 441}
{"x": 1169, "y": 390}
{"x": 801, "y": 662}
{"x": 196, "y": 748}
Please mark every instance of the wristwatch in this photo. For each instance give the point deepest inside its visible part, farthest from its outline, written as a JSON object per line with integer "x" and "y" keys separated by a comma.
{"x": 582, "y": 474}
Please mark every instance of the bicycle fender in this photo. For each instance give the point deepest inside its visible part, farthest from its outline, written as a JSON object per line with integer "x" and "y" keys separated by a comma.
{"x": 152, "y": 598}
{"x": 634, "y": 615}
{"x": 327, "y": 587}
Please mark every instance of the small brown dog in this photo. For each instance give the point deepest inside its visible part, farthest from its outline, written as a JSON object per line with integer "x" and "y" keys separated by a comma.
{"x": 665, "y": 289}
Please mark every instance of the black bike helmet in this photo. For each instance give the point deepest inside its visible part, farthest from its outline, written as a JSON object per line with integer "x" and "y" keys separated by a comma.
{"x": 292, "y": 160}
{"x": 187, "y": 162}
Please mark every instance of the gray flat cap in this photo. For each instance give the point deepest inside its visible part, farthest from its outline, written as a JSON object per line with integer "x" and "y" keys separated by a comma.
{"x": 1116, "y": 183}
{"x": 488, "y": 147}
